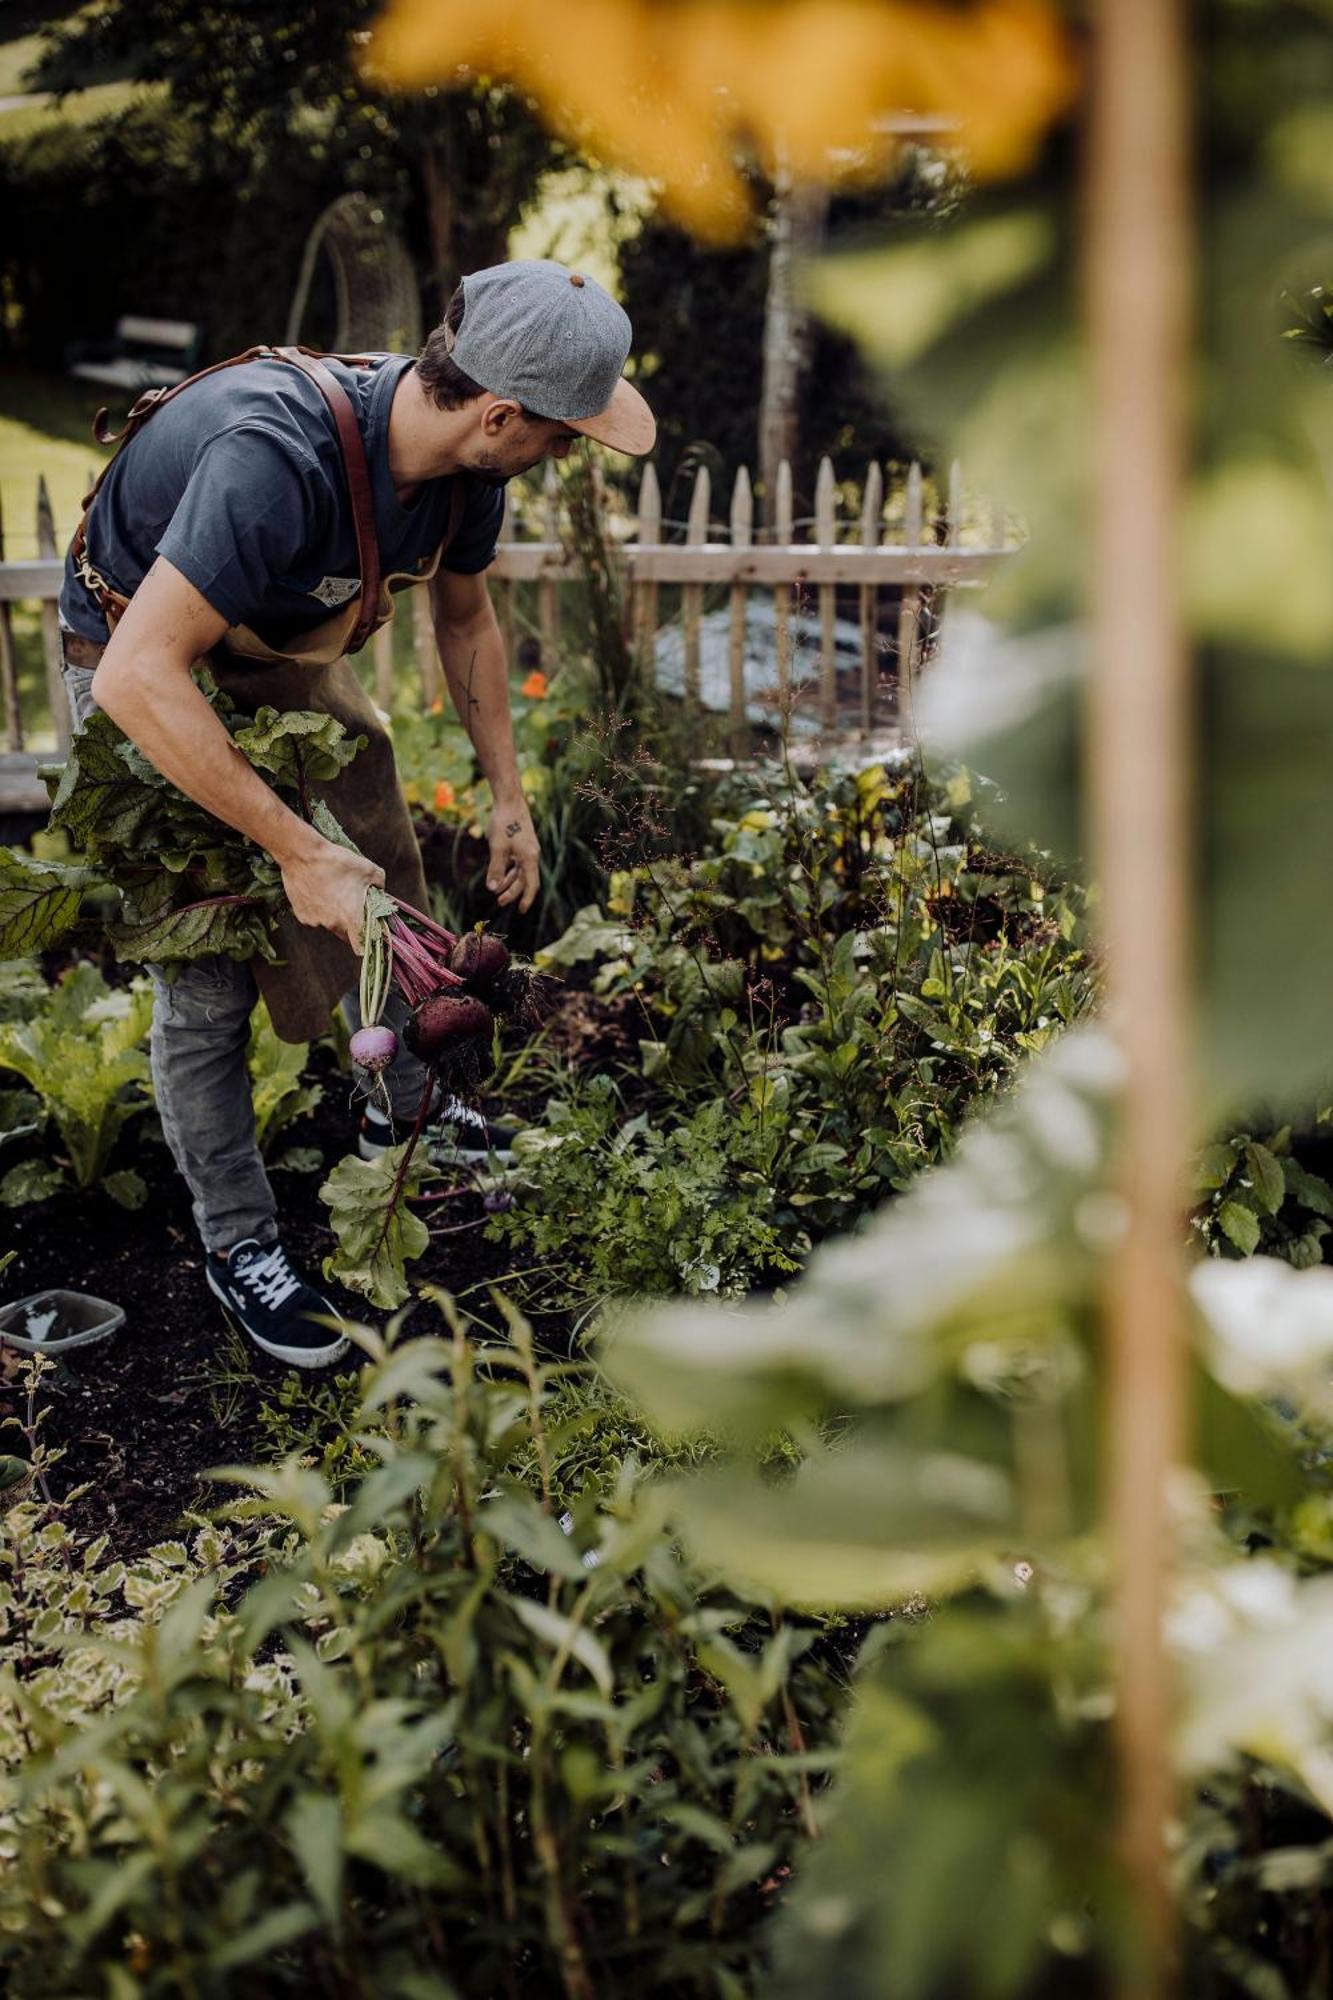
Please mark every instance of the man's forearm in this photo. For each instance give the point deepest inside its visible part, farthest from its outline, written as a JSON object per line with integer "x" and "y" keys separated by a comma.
{"x": 163, "y": 711}
{"x": 473, "y": 658}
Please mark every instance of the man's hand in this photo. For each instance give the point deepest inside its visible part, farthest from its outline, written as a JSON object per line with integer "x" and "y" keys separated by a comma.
{"x": 326, "y": 885}
{"x": 514, "y": 872}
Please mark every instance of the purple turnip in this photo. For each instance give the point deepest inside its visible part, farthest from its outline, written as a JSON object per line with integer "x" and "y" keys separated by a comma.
{"x": 373, "y": 1049}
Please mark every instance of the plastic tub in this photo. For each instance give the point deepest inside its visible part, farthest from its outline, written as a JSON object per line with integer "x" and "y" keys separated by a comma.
{"x": 53, "y": 1322}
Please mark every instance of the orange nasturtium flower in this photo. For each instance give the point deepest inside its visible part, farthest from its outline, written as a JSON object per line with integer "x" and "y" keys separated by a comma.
{"x": 666, "y": 88}
{"x": 534, "y": 687}
{"x": 444, "y": 795}
{"x": 437, "y": 707}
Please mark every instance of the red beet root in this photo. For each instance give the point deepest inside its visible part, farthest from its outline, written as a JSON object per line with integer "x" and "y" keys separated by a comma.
{"x": 481, "y": 959}
{"x": 451, "y": 1032}
{"x": 450, "y": 1017}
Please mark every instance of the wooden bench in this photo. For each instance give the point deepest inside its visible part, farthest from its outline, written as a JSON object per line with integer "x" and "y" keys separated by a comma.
{"x": 145, "y": 354}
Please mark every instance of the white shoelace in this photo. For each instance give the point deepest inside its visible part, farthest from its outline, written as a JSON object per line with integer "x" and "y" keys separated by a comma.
{"x": 453, "y": 1111}
{"x": 270, "y": 1278}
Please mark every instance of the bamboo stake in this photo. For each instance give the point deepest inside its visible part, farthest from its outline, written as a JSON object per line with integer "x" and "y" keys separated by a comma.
{"x": 548, "y": 590}
{"x": 692, "y": 594}
{"x": 1140, "y": 251}
{"x": 825, "y": 535}
{"x": 742, "y": 529}
{"x": 9, "y": 666}
{"x": 909, "y": 608}
{"x": 51, "y": 649}
{"x": 872, "y": 506}
{"x": 645, "y": 589}
{"x": 782, "y": 523}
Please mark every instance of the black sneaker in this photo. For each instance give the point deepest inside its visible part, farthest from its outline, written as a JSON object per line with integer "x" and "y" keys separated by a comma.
{"x": 263, "y": 1296}
{"x": 456, "y": 1135}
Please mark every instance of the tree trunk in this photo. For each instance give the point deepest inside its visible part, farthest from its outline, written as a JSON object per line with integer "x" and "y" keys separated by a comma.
{"x": 441, "y": 220}
{"x": 799, "y": 213}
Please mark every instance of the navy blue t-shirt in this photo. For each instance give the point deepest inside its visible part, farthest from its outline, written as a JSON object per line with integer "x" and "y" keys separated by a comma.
{"x": 240, "y": 484}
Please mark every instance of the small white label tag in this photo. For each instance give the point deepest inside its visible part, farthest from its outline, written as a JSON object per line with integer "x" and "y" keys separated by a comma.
{"x": 336, "y": 589}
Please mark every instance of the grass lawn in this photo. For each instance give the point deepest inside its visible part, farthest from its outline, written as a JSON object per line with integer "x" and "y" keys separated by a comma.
{"x": 45, "y": 428}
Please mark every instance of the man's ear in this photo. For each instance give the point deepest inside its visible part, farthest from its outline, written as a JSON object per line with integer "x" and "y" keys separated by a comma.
{"x": 498, "y": 414}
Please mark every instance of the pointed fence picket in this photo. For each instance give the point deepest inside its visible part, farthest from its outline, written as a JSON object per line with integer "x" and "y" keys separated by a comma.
{"x": 894, "y": 554}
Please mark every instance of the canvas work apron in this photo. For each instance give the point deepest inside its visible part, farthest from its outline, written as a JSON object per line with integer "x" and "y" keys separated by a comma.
{"x": 312, "y": 671}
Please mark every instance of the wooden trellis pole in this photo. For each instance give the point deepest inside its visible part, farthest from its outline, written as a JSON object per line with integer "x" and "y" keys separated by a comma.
{"x": 825, "y": 536}
{"x": 742, "y": 525}
{"x": 1139, "y": 255}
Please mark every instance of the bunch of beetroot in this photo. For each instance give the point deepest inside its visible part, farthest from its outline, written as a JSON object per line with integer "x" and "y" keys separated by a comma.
{"x": 454, "y": 985}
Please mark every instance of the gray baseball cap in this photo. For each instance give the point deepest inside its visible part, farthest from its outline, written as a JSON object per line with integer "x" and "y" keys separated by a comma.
{"x": 555, "y": 341}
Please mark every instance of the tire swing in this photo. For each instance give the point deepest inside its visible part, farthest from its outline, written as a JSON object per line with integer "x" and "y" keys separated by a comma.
{"x": 356, "y": 292}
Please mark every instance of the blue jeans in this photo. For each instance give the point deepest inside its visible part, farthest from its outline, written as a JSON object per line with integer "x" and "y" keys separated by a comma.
{"x": 198, "y": 1047}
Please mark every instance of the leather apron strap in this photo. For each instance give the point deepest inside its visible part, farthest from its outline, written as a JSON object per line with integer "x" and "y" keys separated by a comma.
{"x": 351, "y": 446}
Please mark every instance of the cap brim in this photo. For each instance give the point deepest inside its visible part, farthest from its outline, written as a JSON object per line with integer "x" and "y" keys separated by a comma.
{"x": 626, "y": 424}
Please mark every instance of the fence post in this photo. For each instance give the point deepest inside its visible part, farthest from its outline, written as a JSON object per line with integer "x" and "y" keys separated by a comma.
{"x": 55, "y": 680}
{"x": 503, "y": 587}
{"x": 9, "y": 666}
{"x": 643, "y": 589}
{"x": 742, "y": 528}
{"x": 425, "y": 652}
{"x": 782, "y": 595}
{"x": 909, "y": 609}
{"x": 872, "y": 507}
{"x": 692, "y": 594}
{"x": 825, "y": 535}
{"x": 953, "y": 518}
{"x": 548, "y": 590}
{"x": 382, "y": 646}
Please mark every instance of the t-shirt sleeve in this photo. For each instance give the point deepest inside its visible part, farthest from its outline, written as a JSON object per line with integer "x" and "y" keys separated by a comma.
{"x": 473, "y": 547}
{"x": 249, "y": 510}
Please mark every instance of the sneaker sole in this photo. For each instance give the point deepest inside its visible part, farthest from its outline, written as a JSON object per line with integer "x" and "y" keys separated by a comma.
{"x": 468, "y": 1156}
{"x": 294, "y": 1357}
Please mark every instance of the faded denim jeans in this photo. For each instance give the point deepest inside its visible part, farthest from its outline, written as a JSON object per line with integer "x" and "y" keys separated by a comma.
{"x": 198, "y": 1048}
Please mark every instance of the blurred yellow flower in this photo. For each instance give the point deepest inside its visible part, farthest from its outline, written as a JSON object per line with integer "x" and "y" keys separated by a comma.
{"x": 534, "y": 687}
{"x": 437, "y": 708}
{"x": 444, "y": 795}
{"x": 666, "y": 90}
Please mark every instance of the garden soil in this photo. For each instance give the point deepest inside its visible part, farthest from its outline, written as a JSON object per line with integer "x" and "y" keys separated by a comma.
{"x": 142, "y": 1416}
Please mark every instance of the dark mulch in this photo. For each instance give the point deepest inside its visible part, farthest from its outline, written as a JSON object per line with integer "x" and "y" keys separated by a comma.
{"x": 143, "y": 1415}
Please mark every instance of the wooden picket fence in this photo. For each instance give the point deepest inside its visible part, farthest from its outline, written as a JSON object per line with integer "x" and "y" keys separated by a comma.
{"x": 892, "y": 568}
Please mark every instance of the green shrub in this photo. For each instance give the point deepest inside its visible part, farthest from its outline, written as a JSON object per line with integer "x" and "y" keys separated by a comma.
{"x": 820, "y": 998}
{"x": 457, "y": 1735}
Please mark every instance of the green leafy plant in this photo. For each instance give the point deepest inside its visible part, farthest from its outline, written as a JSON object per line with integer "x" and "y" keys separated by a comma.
{"x": 1257, "y": 1196}
{"x": 183, "y": 884}
{"x": 377, "y": 1235}
{"x": 498, "y": 1742}
{"x": 83, "y": 1056}
{"x": 282, "y": 1094}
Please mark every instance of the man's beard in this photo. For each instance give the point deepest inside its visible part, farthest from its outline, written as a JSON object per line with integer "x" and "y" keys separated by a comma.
{"x": 488, "y": 472}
